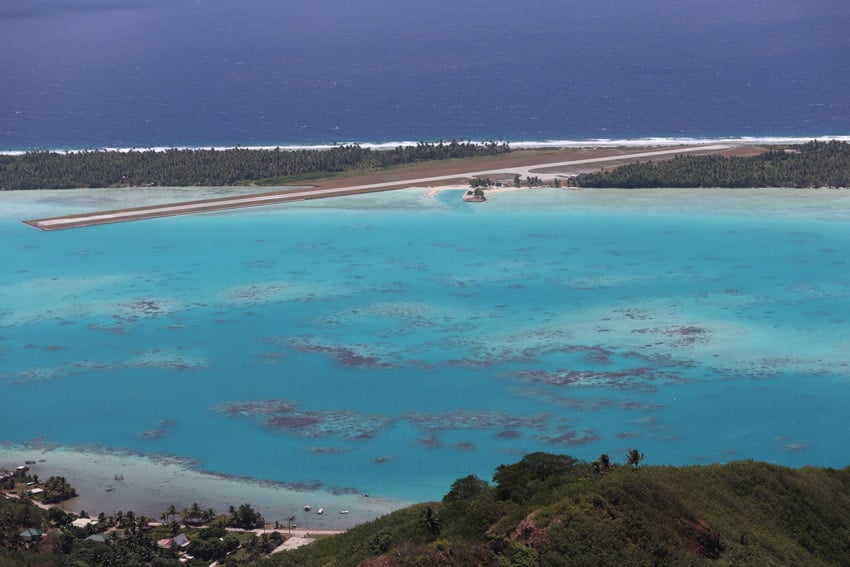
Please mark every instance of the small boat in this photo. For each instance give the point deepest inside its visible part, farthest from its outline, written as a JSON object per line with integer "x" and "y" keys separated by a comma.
{"x": 343, "y": 511}
{"x": 307, "y": 508}
{"x": 108, "y": 489}
{"x": 119, "y": 477}
{"x": 320, "y": 511}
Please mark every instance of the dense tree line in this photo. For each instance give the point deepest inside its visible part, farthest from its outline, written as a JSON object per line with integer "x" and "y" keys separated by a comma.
{"x": 50, "y": 170}
{"x": 814, "y": 164}
{"x": 57, "y": 489}
{"x": 245, "y": 518}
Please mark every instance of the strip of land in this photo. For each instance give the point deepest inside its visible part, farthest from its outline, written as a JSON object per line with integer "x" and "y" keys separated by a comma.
{"x": 545, "y": 165}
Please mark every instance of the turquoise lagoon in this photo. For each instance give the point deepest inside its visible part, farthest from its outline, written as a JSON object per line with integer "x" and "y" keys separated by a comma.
{"x": 392, "y": 343}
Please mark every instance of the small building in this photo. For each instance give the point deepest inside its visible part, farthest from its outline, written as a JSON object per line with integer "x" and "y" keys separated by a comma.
{"x": 83, "y": 522}
{"x": 178, "y": 541}
{"x": 30, "y": 534}
{"x": 99, "y": 538}
{"x": 35, "y": 491}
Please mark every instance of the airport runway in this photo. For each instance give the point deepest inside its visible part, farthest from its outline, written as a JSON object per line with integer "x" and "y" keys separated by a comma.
{"x": 278, "y": 197}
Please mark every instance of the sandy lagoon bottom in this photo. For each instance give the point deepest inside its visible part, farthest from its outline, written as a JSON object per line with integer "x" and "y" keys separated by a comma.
{"x": 147, "y": 486}
{"x": 389, "y": 344}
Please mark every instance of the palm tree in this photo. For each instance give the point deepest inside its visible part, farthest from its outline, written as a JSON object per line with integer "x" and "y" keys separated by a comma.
{"x": 601, "y": 465}
{"x": 634, "y": 458}
{"x": 171, "y": 511}
{"x": 430, "y": 522}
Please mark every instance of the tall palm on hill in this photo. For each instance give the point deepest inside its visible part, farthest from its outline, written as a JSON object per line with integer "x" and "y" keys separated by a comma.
{"x": 430, "y": 522}
{"x": 634, "y": 458}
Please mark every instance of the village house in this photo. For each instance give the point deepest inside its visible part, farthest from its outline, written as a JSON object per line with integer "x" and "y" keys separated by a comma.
{"x": 30, "y": 534}
{"x": 177, "y": 542}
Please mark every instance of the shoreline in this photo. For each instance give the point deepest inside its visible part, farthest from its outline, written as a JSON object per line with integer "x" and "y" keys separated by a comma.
{"x": 589, "y": 143}
{"x": 149, "y": 484}
{"x": 433, "y": 192}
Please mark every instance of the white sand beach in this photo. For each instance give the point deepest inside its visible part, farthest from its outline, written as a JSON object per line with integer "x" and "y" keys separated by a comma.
{"x": 434, "y": 191}
{"x": 148, "y": 485}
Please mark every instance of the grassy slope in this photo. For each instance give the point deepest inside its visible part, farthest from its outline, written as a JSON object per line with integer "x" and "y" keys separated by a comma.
{"x": 743, "y": 513}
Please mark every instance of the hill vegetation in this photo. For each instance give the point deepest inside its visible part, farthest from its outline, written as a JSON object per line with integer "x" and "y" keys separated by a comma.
{"x": 815, "y": 164}
{"x": 555, "y": 510}
{"x": 237, "y": 166}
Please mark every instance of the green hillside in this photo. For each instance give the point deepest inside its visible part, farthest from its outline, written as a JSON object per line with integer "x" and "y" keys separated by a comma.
{"x": 553, "y": 510}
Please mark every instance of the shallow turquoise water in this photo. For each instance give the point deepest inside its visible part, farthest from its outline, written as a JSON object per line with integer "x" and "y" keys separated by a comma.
{"x": 390, "y": 344}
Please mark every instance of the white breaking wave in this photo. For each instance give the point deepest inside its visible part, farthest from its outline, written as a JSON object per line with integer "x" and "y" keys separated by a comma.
{"x": 514, "y": 144}
{"x": 655, "y": 141}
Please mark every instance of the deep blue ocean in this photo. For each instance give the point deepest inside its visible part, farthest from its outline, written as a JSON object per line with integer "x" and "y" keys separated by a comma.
{"x": 152, "y": 73}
